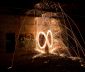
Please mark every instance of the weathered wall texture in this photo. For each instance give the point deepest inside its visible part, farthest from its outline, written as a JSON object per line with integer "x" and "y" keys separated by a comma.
{"x": 8, "y": 24}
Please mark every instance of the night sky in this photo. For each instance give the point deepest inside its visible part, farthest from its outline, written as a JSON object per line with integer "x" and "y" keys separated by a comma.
{"x": 74, "y": 8}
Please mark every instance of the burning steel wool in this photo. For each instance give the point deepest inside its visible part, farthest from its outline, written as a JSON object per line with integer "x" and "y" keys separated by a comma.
{"x": 42, "y": 36}
{"x": 48, "y": 33}
{"x": 49, "y": 36}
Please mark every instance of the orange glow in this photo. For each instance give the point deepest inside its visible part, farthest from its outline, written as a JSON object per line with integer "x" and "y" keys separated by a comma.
{"x": 50, "y": 45}
{"x": 46, "y": 39}
{"x": 44, "y": 45}
{"x": 51, "y": 31}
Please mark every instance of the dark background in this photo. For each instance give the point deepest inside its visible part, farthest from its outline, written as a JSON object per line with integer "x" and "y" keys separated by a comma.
{"x": 74, "y": 8}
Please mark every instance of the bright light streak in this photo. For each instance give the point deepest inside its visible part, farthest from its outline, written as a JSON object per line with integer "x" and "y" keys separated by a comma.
{"x": 40, "y": 51}
{"x": 52, "y": 50}
{"x": 46, "y": 39}
{"x": 50, "y": 45}
{"x": 44, "y": 45}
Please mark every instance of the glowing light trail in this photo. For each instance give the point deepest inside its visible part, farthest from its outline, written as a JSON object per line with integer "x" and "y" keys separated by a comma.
{"x": 50, "y": 33}
{"x": 44, "y": 45}
{"x": 46, "y": 39}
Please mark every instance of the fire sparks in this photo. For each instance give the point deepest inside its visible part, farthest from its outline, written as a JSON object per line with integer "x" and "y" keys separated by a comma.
{"x": 46, "y": 39}
{"x": 48, "y": 36}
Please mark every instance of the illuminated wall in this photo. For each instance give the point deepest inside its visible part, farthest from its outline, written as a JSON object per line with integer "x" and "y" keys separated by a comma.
{"x": 43, "y": 34}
